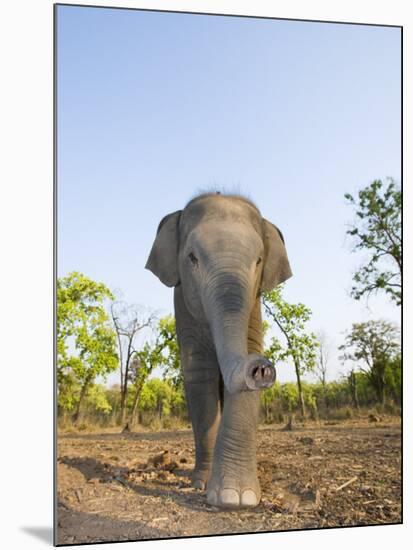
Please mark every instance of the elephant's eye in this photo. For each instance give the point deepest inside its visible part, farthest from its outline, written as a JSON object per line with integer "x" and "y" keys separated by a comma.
{"x": 259, "y": 260}
{"x": 193, "y": 259}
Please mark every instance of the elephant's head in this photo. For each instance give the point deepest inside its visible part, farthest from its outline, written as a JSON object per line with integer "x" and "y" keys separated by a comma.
{"x": 223, "y": 253}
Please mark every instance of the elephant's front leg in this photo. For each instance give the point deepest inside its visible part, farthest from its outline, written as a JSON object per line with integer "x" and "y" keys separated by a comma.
{"x": 203, "y": 383}
{"x": 234, "y": 482}
{"x": 204, "y": 410}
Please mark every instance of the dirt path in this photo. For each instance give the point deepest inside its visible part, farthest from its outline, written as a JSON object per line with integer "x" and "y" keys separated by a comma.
{"x": 318, "y": 476}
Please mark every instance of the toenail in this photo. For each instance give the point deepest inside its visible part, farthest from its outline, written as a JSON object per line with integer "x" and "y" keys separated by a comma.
{"x": 229, "y": 497}
{"x": 249, "y": 498}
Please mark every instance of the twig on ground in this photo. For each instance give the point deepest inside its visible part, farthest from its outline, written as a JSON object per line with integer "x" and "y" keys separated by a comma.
{"x": 347, "y": 483}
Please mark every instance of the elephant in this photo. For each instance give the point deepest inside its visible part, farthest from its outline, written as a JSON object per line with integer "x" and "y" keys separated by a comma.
{"x": 220, "y": 254}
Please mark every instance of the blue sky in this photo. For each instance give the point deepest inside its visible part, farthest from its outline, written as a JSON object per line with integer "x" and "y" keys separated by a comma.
{"x": 153, "y": 107}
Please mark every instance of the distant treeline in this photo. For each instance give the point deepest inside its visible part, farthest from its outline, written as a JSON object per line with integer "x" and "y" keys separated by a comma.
{"x": 162, "y": 404}
{"x": 93, "y": 343}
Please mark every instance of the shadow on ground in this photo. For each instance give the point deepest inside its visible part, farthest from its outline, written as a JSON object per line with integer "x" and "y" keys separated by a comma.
{"x": 80, "y": 527}
{"x": 91, "y": 468}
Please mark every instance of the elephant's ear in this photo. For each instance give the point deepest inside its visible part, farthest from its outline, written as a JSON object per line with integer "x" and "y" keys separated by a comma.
{"x": 163, "y": 259}
{"x": 276, "y": 266}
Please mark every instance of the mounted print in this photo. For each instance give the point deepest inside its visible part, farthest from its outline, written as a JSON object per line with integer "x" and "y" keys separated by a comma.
{"x": 228, "y": 274}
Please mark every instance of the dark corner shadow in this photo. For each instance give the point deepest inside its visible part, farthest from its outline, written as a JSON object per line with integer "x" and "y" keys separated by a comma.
{"x": 45, "y": 534}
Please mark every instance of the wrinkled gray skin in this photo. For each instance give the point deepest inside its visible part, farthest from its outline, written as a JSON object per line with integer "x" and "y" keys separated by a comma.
{"x": 219, "y": 254}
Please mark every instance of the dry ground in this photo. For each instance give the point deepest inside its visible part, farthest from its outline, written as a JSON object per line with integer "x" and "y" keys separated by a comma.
{"x": 111, "y": 488}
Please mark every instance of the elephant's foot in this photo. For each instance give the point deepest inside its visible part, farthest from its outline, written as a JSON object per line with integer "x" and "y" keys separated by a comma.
{"x": 234, "y": 492}
{"x": 234, "y": 482}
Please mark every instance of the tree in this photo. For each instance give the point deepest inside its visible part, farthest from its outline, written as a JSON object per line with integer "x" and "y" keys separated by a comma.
{"x": 267, "y": 398}
{"x": 310, "y": 399}
{"x": 128, "y": 321}
{"x": 289, "y": 396}
{"x": 352, "y": 382}
{"x": 68, "y": 389}
{"x": 322, "y": 362}
{"x": 163, "y": 352}
{"x": 113, "y": 398}
{"x": 393, "y": 378}
{"x": 142, "y": 365}
{"x": 86, "y": 342}
{"x": 301, "y": 346}
{"x": 377, "y": 231}
{"x": 322, "y": 358}
{"x": 373, "y": 345}
{"x": 97, "y": 399}
{"x": 170, "y": 358}
{"x": 157, "y": 395}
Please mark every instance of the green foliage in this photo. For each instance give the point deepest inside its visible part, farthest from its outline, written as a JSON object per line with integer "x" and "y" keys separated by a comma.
{"x": 311, "y": 399}
{"x": 97, "y": 399}
{"x": 284, "y": 398}
{"x": 265, "y": 327}
{"x": 170, "y": 350}
{"x": 268, "y": 395}
{"x": 393, "y": 377}
{"x": 301, "y": 346}
{"x": 377, "y": 231}
{"x": 113, "y": 397}
{"x": 371, "y": 342}
{"x": 86, "y": 342}
{"x": 163, "y": 352}
{"x": 161, "y": 396}
{"x": 375, "y": 347}
{"x": 143, "y": 362}
{"x": 337, "y": 394}
{"x": 68, "y": 391}
{"x": 289, "y": 396}
{"x": 129, "y": 320}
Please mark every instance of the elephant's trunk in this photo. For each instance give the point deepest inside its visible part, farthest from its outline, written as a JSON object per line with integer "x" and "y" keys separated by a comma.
{"x": 228, "y": 302}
